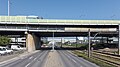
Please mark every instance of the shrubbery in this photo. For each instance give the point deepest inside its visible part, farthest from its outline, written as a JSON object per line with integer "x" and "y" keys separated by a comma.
{"x": 4, "y": 40}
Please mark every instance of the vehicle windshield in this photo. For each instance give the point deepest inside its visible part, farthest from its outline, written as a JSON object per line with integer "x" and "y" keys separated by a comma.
{"x": 1, "y": 49}
{"x": 8, "y": 48}
{"x": 4, "y": 49}
{"x": 18, "y": 46}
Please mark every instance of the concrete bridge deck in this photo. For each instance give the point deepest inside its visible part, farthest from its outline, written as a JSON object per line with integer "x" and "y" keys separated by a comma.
{"x": 27, "y": 20}
{"x": 34, "y": 28}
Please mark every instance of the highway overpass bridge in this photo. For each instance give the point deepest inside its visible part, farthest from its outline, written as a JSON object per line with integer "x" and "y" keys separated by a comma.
{"x": 34, "y": 27}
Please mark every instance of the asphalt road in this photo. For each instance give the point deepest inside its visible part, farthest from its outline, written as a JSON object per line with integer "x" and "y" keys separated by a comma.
{"x": 42, "y": 58}
{"x": 70, "y": 60}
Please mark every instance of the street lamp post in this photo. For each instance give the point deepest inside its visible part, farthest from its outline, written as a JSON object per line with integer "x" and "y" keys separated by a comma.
{"x": 8, "y": 7}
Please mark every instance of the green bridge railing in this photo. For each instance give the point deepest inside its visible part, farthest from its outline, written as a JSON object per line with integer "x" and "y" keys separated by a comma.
{"x": 23, "y": 19}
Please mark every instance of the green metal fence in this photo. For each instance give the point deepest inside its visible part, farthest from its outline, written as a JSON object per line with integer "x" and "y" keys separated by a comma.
{"x": 22, "y": 19}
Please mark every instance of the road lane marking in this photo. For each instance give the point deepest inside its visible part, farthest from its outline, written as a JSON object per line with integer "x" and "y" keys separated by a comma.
{"x": 31, "y": 57}
{"x": 73, "y": 60}
{"x": 32, "y": 60}
{"x": 70, "y": 58}
{"x": 27, "y": 65}
{"x": 35, "y": 59}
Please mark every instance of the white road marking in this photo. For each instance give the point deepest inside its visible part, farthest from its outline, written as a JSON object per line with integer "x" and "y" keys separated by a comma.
{"x": 70, "y": 58}
{"x": 31, "y": 57}
{"x": 27, "y": 65}
{"x": 73, "y": 60}
{"x": 31, "y": 61}
{"x": 35, "y": 59}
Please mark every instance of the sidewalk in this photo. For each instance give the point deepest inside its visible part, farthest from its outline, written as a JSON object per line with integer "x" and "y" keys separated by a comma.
{"x": 53, "y": 60}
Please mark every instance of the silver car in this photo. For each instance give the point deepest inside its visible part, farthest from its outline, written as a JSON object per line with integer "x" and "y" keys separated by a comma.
{"x": 2, "y": 51}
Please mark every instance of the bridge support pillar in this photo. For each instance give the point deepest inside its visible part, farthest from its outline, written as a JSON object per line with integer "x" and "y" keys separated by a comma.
{"x": 119, "y": 40}
{"x": 32, "y": 42}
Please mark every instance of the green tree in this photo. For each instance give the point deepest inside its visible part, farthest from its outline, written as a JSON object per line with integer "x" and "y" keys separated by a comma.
{"x": 4, "y": 40}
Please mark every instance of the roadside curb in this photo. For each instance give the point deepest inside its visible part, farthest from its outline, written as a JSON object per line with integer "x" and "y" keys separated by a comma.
{"x": 16, "y": 58}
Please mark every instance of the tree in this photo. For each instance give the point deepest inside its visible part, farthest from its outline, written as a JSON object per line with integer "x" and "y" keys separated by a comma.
{"x": 4, "y": 40}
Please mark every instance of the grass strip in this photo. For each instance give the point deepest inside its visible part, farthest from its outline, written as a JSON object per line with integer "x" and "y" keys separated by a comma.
{"x": 93, "y": 60}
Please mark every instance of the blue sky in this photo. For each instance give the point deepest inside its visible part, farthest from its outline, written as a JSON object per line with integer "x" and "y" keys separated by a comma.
{"x": 64, "y": 9}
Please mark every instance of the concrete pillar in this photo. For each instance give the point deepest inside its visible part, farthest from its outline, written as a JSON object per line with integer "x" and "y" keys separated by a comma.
{"x": 119, "y": 40}
{"x": 32, "y": 42}
{"x": 36, "y": 42}
{"x": 40, "y": 42}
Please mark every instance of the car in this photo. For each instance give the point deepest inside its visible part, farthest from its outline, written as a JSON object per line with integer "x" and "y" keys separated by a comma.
{"x": 2, "y": 51}
{"x": 8, "y": 50}
{"x": 17, "y": 47}
{"x": 45, "y": 46}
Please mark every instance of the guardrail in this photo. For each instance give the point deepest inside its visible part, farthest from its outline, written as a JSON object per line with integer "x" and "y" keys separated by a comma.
{"x": 22, "y": 19}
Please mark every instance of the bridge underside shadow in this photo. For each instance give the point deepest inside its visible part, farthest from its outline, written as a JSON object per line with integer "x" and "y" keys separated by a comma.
{"x": 33, "y": 41}
{"x": 12, "y": 33}
{"x": 73, "y": 34}
{"x": 61, "y": 48}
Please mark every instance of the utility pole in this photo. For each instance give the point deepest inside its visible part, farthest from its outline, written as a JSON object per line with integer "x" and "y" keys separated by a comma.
{"x": 119, "y": 40}
{"x": 53, "y": 42}
{"x": 61, "y": 42}
{"x": 89, "y": 42}
{"x": 76, "y": 41}
{"x": 8, "y": 7}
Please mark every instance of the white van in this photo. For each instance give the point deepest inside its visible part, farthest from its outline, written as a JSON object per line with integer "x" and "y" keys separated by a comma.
{"x": 17, "y": 47}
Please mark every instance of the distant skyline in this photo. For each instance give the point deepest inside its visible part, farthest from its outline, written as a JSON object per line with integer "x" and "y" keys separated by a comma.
{"x": 64, "y": 9}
